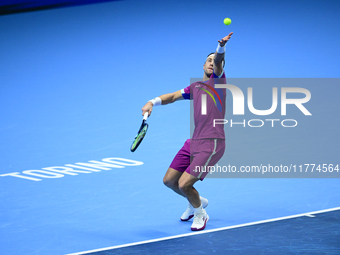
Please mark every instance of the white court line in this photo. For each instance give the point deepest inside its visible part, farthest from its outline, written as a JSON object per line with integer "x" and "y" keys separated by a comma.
{"x": 309, "y": 214}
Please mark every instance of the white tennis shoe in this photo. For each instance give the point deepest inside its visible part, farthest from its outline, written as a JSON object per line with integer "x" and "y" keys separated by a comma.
{"x": 200, "y": 220}
{"x": 189, "y": 212}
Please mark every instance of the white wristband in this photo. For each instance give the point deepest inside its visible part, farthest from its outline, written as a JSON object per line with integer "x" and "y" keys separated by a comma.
{"x": 156, "y": 101}
{"x": 220, "y": 49}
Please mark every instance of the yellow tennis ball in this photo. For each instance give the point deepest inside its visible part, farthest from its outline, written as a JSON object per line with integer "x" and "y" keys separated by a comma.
{"x": 227, "y": 21}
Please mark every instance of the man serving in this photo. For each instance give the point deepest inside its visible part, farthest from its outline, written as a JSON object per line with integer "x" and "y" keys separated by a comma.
{"x": 207, "y": 145}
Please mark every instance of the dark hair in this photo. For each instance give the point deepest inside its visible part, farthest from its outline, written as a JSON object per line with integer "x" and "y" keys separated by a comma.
{"x": 223, "y": 62}
{"x": 210, "y": 54}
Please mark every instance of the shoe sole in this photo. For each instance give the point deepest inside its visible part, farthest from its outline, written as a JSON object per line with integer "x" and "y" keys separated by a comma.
{"x": 190, "y": 216}
{"x": 205, "y": 223}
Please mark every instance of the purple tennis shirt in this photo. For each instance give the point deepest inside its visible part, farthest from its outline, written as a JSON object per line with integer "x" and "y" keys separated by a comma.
{"x": 214, "y": 108}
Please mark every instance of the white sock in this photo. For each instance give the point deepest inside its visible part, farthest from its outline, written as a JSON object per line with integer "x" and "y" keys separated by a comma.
{"x": 198, "y": 209}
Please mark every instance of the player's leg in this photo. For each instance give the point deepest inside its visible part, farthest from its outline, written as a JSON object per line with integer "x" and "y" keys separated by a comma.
{"x": 186, "y": 187}
{"x": 171, "y": 180}
{"x": 178, "y": 165}
{"x": 186, "y": 183}
{"x": 206, "y": 152}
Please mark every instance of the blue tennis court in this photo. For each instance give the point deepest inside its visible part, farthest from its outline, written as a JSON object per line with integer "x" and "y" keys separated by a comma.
{"x": 73, "y": 82}
{"x": 287, "y": 235}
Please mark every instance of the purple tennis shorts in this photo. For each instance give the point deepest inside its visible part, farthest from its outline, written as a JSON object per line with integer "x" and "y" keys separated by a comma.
{"x": 197, "y": 155}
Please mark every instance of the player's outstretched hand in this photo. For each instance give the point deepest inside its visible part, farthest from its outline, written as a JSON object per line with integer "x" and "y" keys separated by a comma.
{"x": 147, "y": 108}
{"x": 225, "y": 39}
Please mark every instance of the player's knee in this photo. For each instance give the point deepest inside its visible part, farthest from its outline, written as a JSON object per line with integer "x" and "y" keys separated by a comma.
{"x": 168, "y": 182}
{"x": 184, "y": 186}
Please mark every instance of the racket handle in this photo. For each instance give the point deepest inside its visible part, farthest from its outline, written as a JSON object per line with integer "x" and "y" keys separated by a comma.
{"x": 146, "y": 115}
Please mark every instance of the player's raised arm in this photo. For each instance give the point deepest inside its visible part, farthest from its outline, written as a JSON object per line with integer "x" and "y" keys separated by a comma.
{"x": 162, "y": 100}
{"x": 219, "y": 56}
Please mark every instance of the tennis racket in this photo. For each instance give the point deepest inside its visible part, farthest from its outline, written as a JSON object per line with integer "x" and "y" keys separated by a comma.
{"x": 141, "y": 133}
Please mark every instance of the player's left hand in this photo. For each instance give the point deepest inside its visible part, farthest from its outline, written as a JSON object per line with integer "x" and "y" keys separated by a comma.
{"x": 225, "y": 39}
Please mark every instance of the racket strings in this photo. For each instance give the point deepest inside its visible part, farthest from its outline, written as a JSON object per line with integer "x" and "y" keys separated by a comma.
{"x": 139, "y": 137}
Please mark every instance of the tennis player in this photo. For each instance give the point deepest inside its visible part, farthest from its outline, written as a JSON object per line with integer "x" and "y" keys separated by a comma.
{"x": 207, "y": 145}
